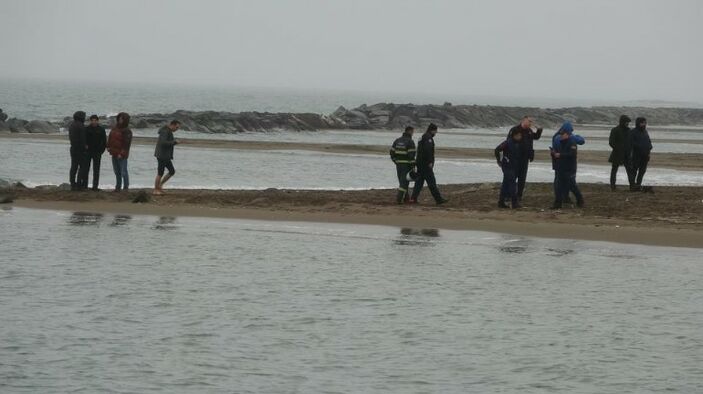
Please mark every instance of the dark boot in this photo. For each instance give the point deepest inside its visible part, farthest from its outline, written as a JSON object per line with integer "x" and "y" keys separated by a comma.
{"x": 501, "y": 204}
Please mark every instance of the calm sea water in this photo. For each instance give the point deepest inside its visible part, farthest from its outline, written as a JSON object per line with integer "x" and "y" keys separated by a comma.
{"x": 116, "y": 303}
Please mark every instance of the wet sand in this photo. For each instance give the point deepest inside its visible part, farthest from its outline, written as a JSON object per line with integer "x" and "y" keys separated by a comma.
{"x": 672, "y": 216}
{"x": 677, "y": 161}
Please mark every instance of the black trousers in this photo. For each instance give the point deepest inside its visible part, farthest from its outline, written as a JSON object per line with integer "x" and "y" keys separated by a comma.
{"x": 426, "y": 174}
{"x": 94, "y": 159}
{"x": 614, "y": 174}
{"x": 565, "y": 183}
{"x": 521, "y": 174}
{"x": 403, "y": 183}
{"x": 639, "y": 168}
{"x": 78, "y": 174}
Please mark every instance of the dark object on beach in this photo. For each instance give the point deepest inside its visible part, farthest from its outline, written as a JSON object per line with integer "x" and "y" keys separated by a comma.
{"x": 141, "y": 197}
{"x": 6, "y": 199}
{"x": 19, "y": 185}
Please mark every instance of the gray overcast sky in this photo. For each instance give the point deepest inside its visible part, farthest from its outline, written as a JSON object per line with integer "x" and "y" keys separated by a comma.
{"x": 612, "y": 50}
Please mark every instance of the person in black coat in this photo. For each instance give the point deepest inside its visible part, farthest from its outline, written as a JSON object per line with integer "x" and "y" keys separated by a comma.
{"x": 527, "y": 150}
{"x": 619, "y": 141}
{"x": 425, "y": 166}
{"x": 508, "y": 155}
{"x": 78, "y": 174}
{"x": 96, "y": 140}
{"x": 403, "y": 155}
{"x": 641, "y": 146}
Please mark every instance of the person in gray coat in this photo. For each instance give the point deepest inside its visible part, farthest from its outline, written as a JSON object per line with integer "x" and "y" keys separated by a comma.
{"x": 164, "y": 155}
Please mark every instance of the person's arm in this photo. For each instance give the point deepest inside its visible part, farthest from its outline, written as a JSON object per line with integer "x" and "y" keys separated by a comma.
{"x": 613, "y": 138}
{"x": 411, "y": 152}
{"x": 578, "y": 139}
{"x": 498, "y": 150}
{"x": 102, "y": 141}
{"x": 538, "y": 134}
{"x": 126, "y": 142}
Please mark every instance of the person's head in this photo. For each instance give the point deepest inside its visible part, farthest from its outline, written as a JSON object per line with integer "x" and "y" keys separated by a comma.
{"x": 94, "y": 120}
{"x": 526, "y": 122}
{"x": 174, "y": 125}
{"x": 79, "y": 116}
{"x": 641, "y": 123}
{"x": 122, "y": 120}
{"x": 432, "y": 129}
{"x": 567, "y": 128}
{"x": 409, "y": 130}
{"x": 624, "y": 120}
{"x": 517, "y": 137}
{"x": 564, "y": 135}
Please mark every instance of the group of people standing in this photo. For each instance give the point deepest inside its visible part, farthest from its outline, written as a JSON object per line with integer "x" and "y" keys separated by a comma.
{"x": 631, "y": 148}
{"x": 89, "y": 143}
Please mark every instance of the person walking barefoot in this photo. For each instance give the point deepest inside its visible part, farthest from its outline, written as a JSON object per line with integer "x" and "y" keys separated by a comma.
{"x": 164, "y": 155}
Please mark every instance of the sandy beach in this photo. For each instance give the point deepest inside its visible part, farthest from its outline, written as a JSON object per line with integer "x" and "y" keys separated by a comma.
{"x": 678, "y": 161}
{"x": 672, "y": 216}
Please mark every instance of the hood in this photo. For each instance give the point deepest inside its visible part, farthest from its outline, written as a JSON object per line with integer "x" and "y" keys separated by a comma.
{"x": 624, "y": 120}
{"x": 567, "y": 128}
{"x": 79, "y": 116}
{"x": 639, "y": 121}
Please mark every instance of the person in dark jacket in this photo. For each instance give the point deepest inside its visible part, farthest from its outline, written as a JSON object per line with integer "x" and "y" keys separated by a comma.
{"x": 78, "y": 174}
{"x": 118, "y": 144}
{"x": 568, "y": 128}
{"x": 164, "y": 155}
{"x": 565, "y": 153}
{"x": 641, "y": 146}
{"x": 96, "y": 139}
{"x": 403, "y": 155}
{"x": 425, "y": 166}
{"x": 528, "y": 151}
{"x": 508, "y": 155}
{"x": 620, "y": 156}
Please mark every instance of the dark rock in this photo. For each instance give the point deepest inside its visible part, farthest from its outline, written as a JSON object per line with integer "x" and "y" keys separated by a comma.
{"x": 40, "y": 126}
{"x": 141, "y": 197}
{"x": 19, "y": 185}
{"x": 4, "y": 128}
{"x": 17, "y": 125}
{"x": 6, "y": 198}
{"x": 5, "y": 184}
{"x": 3, "y": 116}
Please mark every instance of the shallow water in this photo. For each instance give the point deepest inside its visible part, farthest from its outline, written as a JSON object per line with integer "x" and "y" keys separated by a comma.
{"x": 38, "y": 163}
{"x": 105, "y": 303}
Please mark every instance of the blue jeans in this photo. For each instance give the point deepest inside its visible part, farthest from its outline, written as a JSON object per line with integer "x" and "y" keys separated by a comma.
{"x": 121, "y": 173}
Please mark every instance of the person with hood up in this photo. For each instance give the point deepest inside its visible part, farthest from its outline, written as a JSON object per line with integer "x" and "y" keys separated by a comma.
{"x": 528, "y": 151}
{"x": 620, "y": 156}
{"x": 641, "y": 146}
{"x": 78, "y": 174}
{"x": 425, "y": 166}
{"x": 164, "y": 155}
{"x": 403, "y": 155}
{"x": 97, "y": 142}
{"x": 508, "y": 155}
{"x": 564, "y": 153}
{"x": 118, "y": 144}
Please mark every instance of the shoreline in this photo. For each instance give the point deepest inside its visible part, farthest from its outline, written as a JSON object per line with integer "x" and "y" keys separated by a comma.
{"x": 471, "y": 208}
{"x": 675, "y": 161}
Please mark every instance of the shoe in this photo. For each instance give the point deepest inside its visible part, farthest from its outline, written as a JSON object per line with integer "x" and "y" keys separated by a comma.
{"x": 96, "y": 189}
{"x": 412, "y": 201}
{"x": 442, "y": 201}
{"x": 501, "y": 204}
{"x": 567, "y": 200}
{"x": 556, "y": 207}
{"x": 580, "y": 204}
{"x": 516, "y": 205}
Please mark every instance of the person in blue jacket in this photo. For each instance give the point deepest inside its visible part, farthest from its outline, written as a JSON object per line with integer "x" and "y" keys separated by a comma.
{"x": 565, "y": 159}
{"x": 509, "y": 155}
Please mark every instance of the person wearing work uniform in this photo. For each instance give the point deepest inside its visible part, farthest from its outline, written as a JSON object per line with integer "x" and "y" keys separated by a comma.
{"x": 425, "y": 166}
{"x": 403, "y": 155}
{"x": 78, "y": 174}
{"x": 619, "y": 141}
{"x": 164, "y": 155}
{"x": 565, "y": 153}
{"x": 568, "y": 128}
{"x": 528, "y": 151}
{"x": 97, "y": 141}
{"x": 641, "y": 146}
{"x": 508, "y": 156}
{"x": 118, "y": 144}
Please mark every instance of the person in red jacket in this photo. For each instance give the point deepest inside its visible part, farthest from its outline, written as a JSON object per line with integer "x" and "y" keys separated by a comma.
{"x": 118, "y": 143}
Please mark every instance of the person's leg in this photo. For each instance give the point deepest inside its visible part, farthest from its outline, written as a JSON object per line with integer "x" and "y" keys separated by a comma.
{"x": 505, "y": 188}
{"x": 574, "y": 188}
{"x": 75, "y": 163}
{"x": 96, "y": 170}
{"x": 522, "y": 178}
{"x": 512, "y": 189}
{"x": 403, "y": 183}
{"x": 117, "y": 168}
{"x": 171, "y": 172}
{"x": 562, "y": 190}
{"x": 159, "y": 173}
{"x": 419, "y": 183}
{"x": 125, "y": 173}
{"x": 432, "y": 185}
{"x": 641, "y": 170}
{"x": 613, "y": 176}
